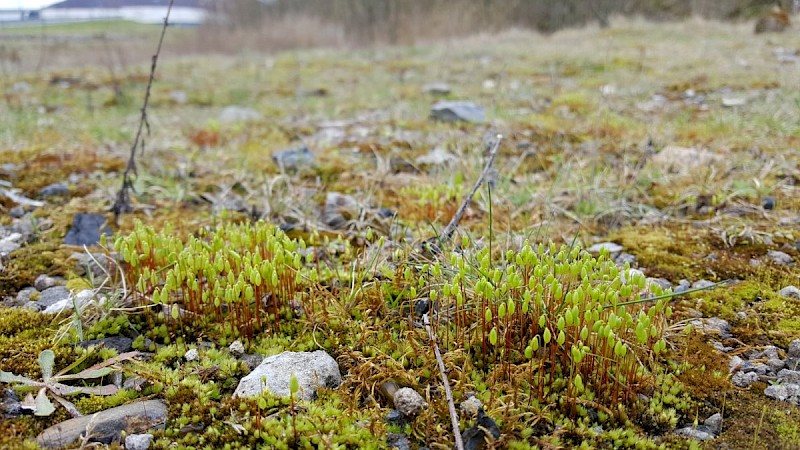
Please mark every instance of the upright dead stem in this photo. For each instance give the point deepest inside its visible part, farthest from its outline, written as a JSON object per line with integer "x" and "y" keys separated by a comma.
{"x": 448, "y": 394}
{"x": 448, "y": 231}
{"x": 123, "y": 202}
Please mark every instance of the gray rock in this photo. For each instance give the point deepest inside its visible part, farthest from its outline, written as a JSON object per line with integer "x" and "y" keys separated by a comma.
{"x": 699, "y": 433}
{"x": 312, "y": 370}
{"x": 138, "y": 441}
{"x": 794, "y": 349}
{"x": 16, "y": 212}
{"x": 683, "y": 160}
{"x": 743, "y": 380}
{"x": 10, "y": 244}
{"x": 251, "y": 361}
{"x": 714, "y": 424}
{"x": 79, "y": 300}
{"x": 97, "y": 263}
{"x": 106, "y": 426}
{"x": 293, "y": 159}
{"x": 790, "y": 292}
{"x": 610, "y": 247}
{"x": 53, "y": 295}
{"x": 236, "y": 347}
{"x": 436, "y": 157}
{"x": 54, "y": 189}
{"x": 395, "y": 417}
{"x": 121, "y": 344}
{"x": 683, "y": 285}
{"x": 25, "y": 294}
{"x": 233, "y": 114}
{"x": 21, "y": 87}
{"x": 135, "y": 383}
{"x": 735, "y": 364}
{"x": 447, "y": 111}
{"x": 438, "y": 88}
{"x": 191, "y": 355}
{"x": 663, "y": 283}
{"x": 769, "y": 352}
{"x": 179, "y": 97}
{"x": 780, "y": 258}
{"x": 775, "y": 364}
{"x": 789, "y": 392}
{"x": 471, "y": 406}
{"x": 741, "y": 315}
{"x": 398, "y": 441}
{"x": 700, "y": 284}
{"x": 626, "y": 258}
{"x": 409, "y": 402}
{"x": 343, "y": 204}
{"x": 713, "y": 325}
{"x": 86, "y": 229}
{"x": 789, "y": 376}
{"x": 44, "y": 281}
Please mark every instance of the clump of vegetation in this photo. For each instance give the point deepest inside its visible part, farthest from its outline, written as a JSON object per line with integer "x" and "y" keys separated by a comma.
{"x": 241, "y": 276}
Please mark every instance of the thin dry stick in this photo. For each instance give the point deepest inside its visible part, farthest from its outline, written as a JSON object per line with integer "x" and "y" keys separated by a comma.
{"x": 123, "y": 202}
{"x": 447, "y": 393}
{"x": 447, "y": 234}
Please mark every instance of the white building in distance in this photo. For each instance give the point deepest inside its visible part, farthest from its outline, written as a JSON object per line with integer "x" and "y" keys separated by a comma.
{"x": 184, "y": 12}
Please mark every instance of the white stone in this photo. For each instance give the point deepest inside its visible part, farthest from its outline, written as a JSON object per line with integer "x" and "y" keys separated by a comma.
{"x": 191, "y": 355}
{"x": 313, "y": 370}
{"x": 610, "y": 247}
{"x": 790, "y": 292}
{"x": 236, "y": 347}
{"x": 138, "y": 441}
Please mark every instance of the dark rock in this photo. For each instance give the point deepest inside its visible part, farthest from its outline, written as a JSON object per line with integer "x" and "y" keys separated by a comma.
{"x": 54, "y": 189}
{"x": 294, "y": 159}
{"x": 395, "y": 417}
{"x": 475, "y": 436}
{"x": 10, "y": 407}
{"x": 458, "y": 111}
{"x": 398, "y": 441}
{"x": 106, "y": 426}
{"x": 121, "y": 344}
{"x": 386, "y": 213}
{"x": 421, "y": 307}
{"x": 86, "y": 229}
{"x": 714, "y": 424}
{"x": 768, "y": 202}
{"x": 44, "y": 282}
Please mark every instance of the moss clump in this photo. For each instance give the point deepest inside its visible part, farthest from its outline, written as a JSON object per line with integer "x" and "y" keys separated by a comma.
{"x": 23, "y": 336}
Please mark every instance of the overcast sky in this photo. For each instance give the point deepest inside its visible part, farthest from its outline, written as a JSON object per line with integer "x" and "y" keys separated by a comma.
{"x": 25, "y": 4}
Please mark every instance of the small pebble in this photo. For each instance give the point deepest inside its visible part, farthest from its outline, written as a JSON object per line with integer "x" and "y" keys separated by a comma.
{"x": 409, "y": 402}
{"x": 191, "y": 355}
{"x": 768, "y": 202}
{"x": 236, "y": 347}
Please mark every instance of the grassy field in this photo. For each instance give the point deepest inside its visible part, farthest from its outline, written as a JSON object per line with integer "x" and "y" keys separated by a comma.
{"x": 668, "y": 139}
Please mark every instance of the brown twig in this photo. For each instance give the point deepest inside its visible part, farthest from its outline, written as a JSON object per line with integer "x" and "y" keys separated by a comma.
{"x": 448, "y": 231}
{"x": 123, "y": 202}
{"x": 448, "y": 394}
